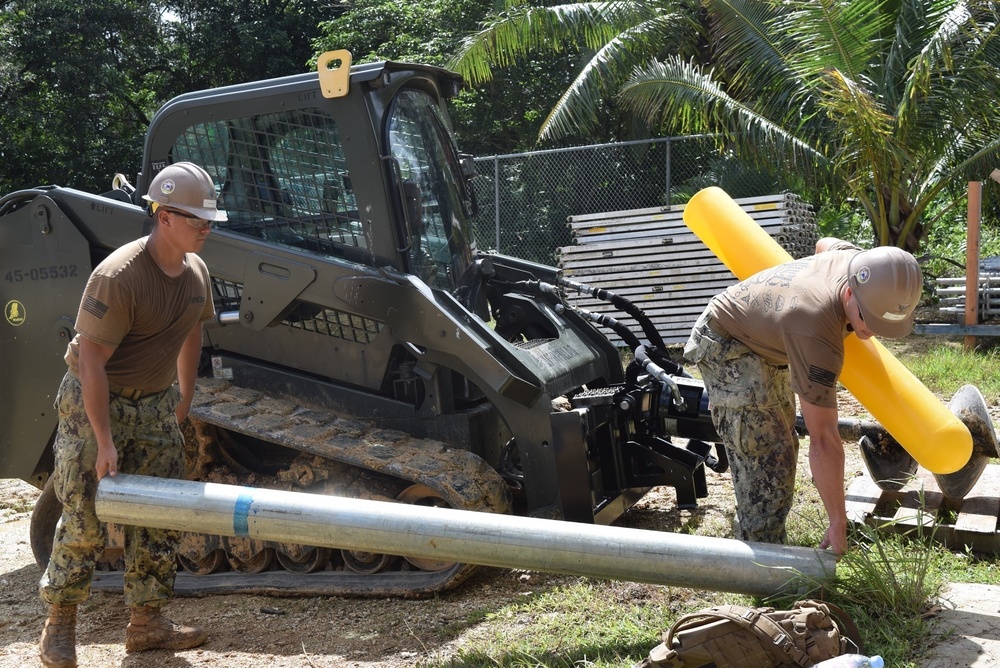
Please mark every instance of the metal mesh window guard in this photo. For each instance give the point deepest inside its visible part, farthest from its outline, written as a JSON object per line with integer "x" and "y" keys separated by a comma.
{"x": 329, "y": 322}
{"x": 282, "y": 177}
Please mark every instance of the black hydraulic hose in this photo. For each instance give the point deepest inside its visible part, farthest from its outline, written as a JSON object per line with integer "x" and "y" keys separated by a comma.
{"x": 16, "y": 199}
{"x": 658, "y": 372}
{"x": 542, "y": 288}
{"x": 623, "y": 303}
{"x": 619, "y": 328}
{"x": 639, "y": 350}
{"x": 641, "y": 355}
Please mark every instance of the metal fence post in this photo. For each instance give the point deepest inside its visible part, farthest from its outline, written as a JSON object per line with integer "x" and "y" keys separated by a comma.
{"x": 496, "y": 200}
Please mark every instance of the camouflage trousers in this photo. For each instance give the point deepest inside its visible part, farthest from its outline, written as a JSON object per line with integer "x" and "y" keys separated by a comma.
{"x": 753, "y": 409}
{"x": 149, "y": 442}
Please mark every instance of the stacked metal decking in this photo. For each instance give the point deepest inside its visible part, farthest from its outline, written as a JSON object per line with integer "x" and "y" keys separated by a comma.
{"x": 652, "y": 258}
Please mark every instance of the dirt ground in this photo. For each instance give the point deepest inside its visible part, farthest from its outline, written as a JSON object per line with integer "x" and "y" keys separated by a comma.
{"x": 315, "y": 632}
{"x": 318, "y": 631}
{"x": 331, "y": 632}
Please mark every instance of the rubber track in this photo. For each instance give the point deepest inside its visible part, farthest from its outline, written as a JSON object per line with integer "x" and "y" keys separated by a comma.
{"x": 463, "y": 480}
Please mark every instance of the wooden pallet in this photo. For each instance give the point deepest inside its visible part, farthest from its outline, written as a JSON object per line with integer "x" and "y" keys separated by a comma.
{"x": 970, "y": 523}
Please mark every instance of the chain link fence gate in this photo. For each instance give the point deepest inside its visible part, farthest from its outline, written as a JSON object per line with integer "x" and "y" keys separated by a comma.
{"x": 525, "y": 199}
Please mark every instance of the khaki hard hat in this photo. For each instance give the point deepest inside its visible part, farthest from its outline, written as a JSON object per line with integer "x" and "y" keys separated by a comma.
{"x": 187, "y": 187}
{"x": 886, "y": 282}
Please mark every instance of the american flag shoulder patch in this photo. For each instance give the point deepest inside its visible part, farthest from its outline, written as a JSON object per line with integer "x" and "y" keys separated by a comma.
{"x": 94, "y": 307}
{"x": 822, "y": 376}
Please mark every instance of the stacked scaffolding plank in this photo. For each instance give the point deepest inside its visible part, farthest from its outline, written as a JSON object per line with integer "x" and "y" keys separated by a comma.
{"x": 651, "y": 257}
{"x": 951, "y": 291}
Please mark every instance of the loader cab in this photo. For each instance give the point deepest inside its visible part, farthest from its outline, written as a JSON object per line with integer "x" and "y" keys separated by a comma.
{"x": 428, "y": 172}
{"x": 373, "y": 177}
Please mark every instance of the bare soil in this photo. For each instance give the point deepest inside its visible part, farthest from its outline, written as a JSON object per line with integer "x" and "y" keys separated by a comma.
{"x": 328, "y": 631}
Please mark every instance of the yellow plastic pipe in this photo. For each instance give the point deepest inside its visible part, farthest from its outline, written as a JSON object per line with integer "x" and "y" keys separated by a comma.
{"x": 932, "y": 434}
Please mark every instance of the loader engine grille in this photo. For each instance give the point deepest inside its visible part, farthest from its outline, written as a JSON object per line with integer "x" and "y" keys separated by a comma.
{"x": 309, "y": 317}
{"x": 282, "y": 177}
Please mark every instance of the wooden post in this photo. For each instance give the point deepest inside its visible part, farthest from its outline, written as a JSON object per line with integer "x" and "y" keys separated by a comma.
{"x": 972, "y": 260}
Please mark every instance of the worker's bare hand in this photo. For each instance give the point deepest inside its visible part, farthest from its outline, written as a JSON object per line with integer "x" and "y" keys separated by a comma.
{"x": 107, "y": 462}
{"x": 835, "y": 540}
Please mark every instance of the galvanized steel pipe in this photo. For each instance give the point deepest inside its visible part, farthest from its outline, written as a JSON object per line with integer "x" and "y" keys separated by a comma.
{"x": 444, "y": 534}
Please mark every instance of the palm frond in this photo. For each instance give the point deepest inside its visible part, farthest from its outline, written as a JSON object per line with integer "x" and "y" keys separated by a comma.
{"x": 974, "y": 167}
{"x": 913, "y": 27}
{"x": 686, "y": 96}
{"x": 934, "y": 56}
{"x": 744, "y": 43}
{"x": 598, "y": 81}
{"x": 522, "y": 29}
{"x": 830, "y": 34}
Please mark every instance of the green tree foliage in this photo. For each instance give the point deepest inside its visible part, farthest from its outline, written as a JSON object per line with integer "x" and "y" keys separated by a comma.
{"x": 75, "y": 82}
{"x": 886, "y": 104}
{"x": 881, "y": 103}
{"x": 234, "y": 41}
{"x": 612, "y": 38}
{"x": 502, "y": 117}
{"x": 79, "y": 81}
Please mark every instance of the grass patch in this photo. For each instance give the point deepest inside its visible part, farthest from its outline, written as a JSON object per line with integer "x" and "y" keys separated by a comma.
{"x": 887, "y": 582}
{"x": 944, "y": 368}
{"x": 585, "y": 623}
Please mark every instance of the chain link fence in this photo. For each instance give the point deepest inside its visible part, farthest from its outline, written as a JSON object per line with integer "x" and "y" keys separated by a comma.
{"x": 524, "y": 199}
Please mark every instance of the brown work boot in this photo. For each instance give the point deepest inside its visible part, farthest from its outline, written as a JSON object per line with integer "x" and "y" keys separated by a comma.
{"x": 57, "y": 648}
{"x": 149, "y": 629}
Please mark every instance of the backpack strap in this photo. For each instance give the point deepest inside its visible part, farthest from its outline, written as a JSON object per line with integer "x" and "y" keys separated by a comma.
{"x": 773, "y": 638}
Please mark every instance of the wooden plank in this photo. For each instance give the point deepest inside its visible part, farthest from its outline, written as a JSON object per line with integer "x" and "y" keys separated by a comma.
{"x": 862, "y": 497}
{"x": 647, "y": 268}
{"x": 981, "y": 507}
{"x": 919, "y": 509}
{"x": 976, "y": 517}
{"x": 645, "y": 295}
{"x": 952, "y": 330}
{"x": 656, "y": 256}
{"x": 616, "y": 214}
{"x": 677, "y": 218}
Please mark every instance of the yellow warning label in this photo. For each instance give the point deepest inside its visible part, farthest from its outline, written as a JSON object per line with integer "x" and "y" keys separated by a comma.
{"x": 14, "y": 311}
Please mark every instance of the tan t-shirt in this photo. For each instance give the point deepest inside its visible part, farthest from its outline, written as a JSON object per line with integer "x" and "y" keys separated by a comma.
{"x": 792, "y": 314}
{"x": 130, "y": 305}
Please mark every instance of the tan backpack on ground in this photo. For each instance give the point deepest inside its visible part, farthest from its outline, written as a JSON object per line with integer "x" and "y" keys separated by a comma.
{"x": 734, "y": 636}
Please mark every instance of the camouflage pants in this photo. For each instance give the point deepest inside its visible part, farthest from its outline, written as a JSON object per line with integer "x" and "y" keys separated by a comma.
{"x": 149, "y": 442}
{"x": 753, "y": 409}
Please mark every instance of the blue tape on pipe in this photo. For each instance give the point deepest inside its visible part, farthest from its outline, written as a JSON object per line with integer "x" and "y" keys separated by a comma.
{"x": 241, "y": 525}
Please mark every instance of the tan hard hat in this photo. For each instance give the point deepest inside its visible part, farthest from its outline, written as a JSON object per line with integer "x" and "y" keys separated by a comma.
{"x": 886, "y": 282}
{"x": 187, "y": 187}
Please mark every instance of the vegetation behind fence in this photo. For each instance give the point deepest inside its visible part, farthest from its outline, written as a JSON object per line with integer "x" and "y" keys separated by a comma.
{"x": 524, "y": 199}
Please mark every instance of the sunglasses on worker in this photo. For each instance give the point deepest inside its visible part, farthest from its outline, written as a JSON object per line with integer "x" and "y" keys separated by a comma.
{"x": 194, "y": 221}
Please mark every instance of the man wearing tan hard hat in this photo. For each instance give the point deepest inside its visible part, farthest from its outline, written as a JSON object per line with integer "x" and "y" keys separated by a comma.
{"x": 778, "y": 334}
{"x": 130, "y": 381}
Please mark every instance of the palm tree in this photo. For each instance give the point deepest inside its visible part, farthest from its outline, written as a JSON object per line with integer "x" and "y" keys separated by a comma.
{"x": 890, "y": 104}
{"x": 613, "y": 37}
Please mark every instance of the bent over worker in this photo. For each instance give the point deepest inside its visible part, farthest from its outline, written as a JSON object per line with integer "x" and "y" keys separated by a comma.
{"x": 778, "y": 334}
{"x": 138, "y": 331}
